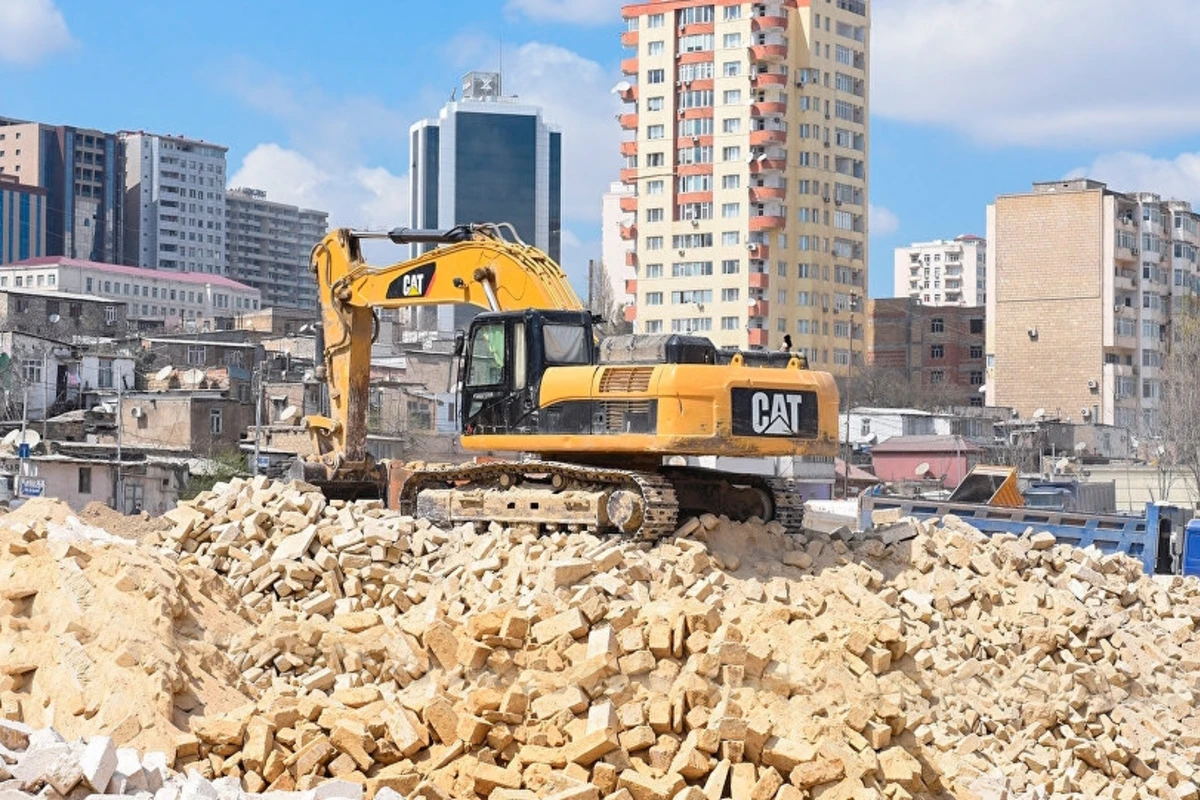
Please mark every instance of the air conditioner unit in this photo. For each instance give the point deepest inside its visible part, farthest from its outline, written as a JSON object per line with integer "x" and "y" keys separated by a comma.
{"x": 1085, "y": 412}
{"x": 1093, "y": 385}
{"x": 1134, "y": 250}
{"x": 137, "y": 412}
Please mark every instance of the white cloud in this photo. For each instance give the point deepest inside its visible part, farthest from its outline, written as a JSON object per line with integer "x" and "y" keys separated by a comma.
{"x": 1046, "y": 73}
{"x": 356, "y": 197}
{"x": 1175, "y": 179}
{"x": 30, "y": 30}
{"x": 575, "y": 12}
{"x": 883, "y": 221}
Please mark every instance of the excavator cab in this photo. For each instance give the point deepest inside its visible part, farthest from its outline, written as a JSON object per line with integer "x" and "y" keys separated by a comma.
{"x": 506, "y": 354}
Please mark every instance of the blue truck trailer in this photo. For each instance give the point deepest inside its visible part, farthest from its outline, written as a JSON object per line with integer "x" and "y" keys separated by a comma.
{"x": 1165, "y": 538}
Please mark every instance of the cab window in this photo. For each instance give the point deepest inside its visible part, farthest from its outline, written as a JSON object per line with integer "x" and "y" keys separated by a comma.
{"x": 486, "y": 367}
{"x": 565, "y": 344}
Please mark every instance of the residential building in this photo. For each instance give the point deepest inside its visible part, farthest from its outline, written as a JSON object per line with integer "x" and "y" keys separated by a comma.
{"x": 268, "y": 246}
{"x": 22, "y": 220}
{"x": 80, "y": 170}
{"x": 174, "y": 203}
{"x": 275, "y": 320}
{"x": 42, "y": 376}
{"x": 151, "y": 483}
{"x": 62, "y": 316}
{"x": 871, "y": 426}
{"x": 941, "y": 348}
{"x": 945, "y": 272}
{"x": 747, "y": 138}
{"x": 946, "y": 459}
{"x": 1082, "y": 285}
{"x": 154, "y": 299}
{"x": 486, "y": 158}
{"x": 203, "y": 423}
{"x": 615, "y": 253}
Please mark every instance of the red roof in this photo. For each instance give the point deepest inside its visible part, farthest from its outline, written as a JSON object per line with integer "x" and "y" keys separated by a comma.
{"x": 199, "y": 278}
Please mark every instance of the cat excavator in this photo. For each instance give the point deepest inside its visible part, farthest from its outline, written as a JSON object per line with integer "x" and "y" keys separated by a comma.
{"x": 601, "y": 426}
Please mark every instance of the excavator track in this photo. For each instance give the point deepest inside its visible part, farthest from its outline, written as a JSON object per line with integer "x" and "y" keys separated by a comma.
{"x": 548, "y": 493}
{"x": 641, "y": 504}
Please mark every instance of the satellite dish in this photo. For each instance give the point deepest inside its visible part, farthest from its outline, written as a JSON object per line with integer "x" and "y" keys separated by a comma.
{"x": 1062, "y": 464}
{"x": 193, "y": 376}
{"x": 1080, "y": 447}
{"x": 983, "y": 389}
{"x": 164, "y": 373}
{"x": 28, "y": 436}
{"x": 623, "y": 86}
{"x": 922, "y": 469}
{"x": 287, "y": 414}
{"x": 54, "y": 318}
{"x": 1041, "y": 412}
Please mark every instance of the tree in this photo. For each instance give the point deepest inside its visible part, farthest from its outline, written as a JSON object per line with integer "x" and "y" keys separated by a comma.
{"x": 602, "y": 301}
{"x": 1178, "y": 419}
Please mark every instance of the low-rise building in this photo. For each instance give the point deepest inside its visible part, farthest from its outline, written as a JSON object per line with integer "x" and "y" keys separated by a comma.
{"x": 277, "y": 321}
{"x": 940, "y": 348}
{"x": 40, "y": 376}
{"x": 154, "y": 299}
{"x": 150, "y": 483}
{"x": 202, "y": 423}
{"x": 63, "y": 316}
{"x": 946, "y": 459}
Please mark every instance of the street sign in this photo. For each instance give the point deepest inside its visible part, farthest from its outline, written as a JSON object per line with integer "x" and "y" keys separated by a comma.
{"x": 264, "y": 462}
{"x": 32, "y": 487}
{"x": 23, "y": 450}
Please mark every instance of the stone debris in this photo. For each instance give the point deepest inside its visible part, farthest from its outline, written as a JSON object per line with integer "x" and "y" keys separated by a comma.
{"x": 350, "y": 652}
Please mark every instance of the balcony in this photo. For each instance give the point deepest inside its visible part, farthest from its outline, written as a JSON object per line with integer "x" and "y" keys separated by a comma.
{"x": 628, "y": 122}
{"x": 768, "y": 79}
{"x": 768, "y": 52}
{"x": 760, "y": 194}
{"x": 629, "y": 39}
{"x": 694, "y": 169}
{"x": 684, "y": 198}
{"x": 759, "y": 337}
{"x": 766, "y": 222}
{"x": 768, "y": 165}
{"x": 629, "y": 205}
{"x": 767, "y": 108}
{"x": 696, "y": 28}
{"x": 631, "y": 286}
{"x": 630, "y": 313}
{"x": 628, "y": 232}
{"x": 630, "y": 258}
{"x": 759, "y": 250}
{"x": 759, "y": 308}
{"x": 1124, "y": 281}
{"x": 629, "y": 148}
{"x": 630, "y": 95}
{"x": 629, "y": 66}
{"x": 768, "y": 23}
{"x": 766, "y": 137}
{"x": 760, "y": 280}
{"x": 629, "y": 175}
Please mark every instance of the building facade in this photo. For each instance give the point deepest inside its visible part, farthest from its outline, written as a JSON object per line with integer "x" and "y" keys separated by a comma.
{"x": 615, "y": 254}
{"x": 1082, "y": 285}
{"x": 946, "y": 272}
{"x": 22, "y": 220}
{"x": 748, "y": 140}
{"x": 941, "y": 347}
{"x": 60, "y": 315}
{"x": 174, "y": 203}
{"x": 268, "y": 246}
{"x": 486, "y": 158}
{"x": 80, "y": 170}
{"x": 153, "y": 299}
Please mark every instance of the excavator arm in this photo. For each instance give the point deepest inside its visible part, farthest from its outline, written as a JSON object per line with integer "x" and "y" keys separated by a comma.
{"x": 483, "y": 265}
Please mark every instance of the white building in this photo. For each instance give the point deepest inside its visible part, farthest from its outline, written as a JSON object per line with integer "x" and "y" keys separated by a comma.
{"x": 154, "y": 298}
{"x": 945, "y": 272}
{"x": 174, "y": 203}
{"x": 616, "y": 250}
{"x": 268, "y": 246}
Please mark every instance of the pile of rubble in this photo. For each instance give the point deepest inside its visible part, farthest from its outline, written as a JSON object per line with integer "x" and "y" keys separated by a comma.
{"x": 733, "y": 661}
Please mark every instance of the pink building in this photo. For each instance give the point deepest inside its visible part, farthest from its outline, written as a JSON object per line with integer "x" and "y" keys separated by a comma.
{"x": 947, "y": 458}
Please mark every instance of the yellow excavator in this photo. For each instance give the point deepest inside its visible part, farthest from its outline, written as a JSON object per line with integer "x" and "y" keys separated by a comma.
{"x": 597, "y": 422}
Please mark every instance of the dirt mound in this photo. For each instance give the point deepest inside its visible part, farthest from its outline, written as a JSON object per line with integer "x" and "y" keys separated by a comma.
{"x": 136, "y": 526}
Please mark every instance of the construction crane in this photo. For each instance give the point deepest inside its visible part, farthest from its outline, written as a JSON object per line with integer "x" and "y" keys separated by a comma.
{"x": 597, "y": 423}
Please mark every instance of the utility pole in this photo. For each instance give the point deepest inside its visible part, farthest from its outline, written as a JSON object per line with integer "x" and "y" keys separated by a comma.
{"x": 120, "y": 499}
{"x": 591, "y": 281}
{"x": 849, "y": 380}
{"x": 258, "y": 404}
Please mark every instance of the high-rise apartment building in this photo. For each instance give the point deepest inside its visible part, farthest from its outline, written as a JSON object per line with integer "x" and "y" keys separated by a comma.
{"x": 174, "y": 203}
{"x": 268, "y": 246}
{"x": 945, "y": 272}
{"x": 487, "y": 158}
{"x": 614, "y": 251}
{"x": 22, "y": 220}
{"x": 80, "y": 170}
{"x": 937, "y": 348}
{"x": 748, "y": 143}
{"x": 1082, "y": 285}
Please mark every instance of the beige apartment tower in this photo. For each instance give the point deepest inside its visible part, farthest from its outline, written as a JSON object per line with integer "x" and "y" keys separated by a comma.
{"x": 747, "y": 142}
{"x": 1082, "y": 285}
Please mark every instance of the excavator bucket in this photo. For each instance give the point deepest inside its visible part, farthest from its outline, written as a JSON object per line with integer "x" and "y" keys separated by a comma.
{"x": 991, "y": 486}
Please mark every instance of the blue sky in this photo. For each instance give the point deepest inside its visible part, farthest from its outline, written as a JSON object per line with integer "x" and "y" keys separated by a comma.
{"x": 970, "y": 98}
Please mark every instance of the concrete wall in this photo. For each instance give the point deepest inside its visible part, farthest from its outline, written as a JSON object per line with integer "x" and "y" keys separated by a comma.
{"x": 31, "y": 312}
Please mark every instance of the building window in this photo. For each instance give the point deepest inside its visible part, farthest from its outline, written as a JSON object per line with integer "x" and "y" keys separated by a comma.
{"x": 656, "y": 76}
{"x": 31, "y": 370}
{"x": 866, "y": 426}
{"x": 937, "y": 325}
{"x": 731, "y": 40}
{"x": 655, "y": 132}
{"x": 731, "y": 266}
{"x": 976, "y": 326}
{"x": 977, "y": 378}
{"x": 729, "y": 323}
{"x": 731, "y": 69}
{"x": 85, "y": 480}
{"x": 976, "y": 351}
{"x": 196, "y": 354}
{"x": 654, "y": 215}
{"x": 937, "y": 376}
{"x": 937, "y": 351}
{"x": 732, "y": 97}
{"x": 655, "y": 48}
{"x": 214, "y": 421}
{"x": 104, "y": 377}
{"x": 110, "y": 315}
{"x": 731, "y": 181}
{"x": 75, "y": 310}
